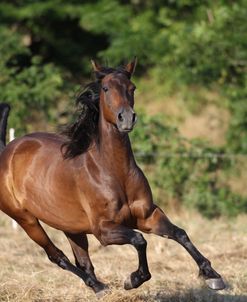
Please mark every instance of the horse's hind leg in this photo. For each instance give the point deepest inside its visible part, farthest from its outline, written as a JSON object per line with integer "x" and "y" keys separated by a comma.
{"x": 35, "y": 231}
{"x": 79, "y": 245}
{"x": 159, "y": 224}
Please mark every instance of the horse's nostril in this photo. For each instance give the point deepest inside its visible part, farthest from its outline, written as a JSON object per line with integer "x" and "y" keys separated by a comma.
{"x": 134, "y": 118}
{"x": 120, "y": 117}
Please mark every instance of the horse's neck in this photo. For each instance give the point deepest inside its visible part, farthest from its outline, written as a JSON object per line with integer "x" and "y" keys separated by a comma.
{"x": 115, "y": 148}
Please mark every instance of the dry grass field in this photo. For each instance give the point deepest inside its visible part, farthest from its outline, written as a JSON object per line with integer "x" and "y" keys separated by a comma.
{"x": 27, "y": 275}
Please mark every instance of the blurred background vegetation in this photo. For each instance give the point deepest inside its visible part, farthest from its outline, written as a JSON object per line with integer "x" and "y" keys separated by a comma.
{"x": 191, "y": 138}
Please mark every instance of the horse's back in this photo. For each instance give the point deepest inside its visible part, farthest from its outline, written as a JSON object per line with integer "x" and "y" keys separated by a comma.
{"x": 19, "y": 155}
{"x": 32, "y": 142}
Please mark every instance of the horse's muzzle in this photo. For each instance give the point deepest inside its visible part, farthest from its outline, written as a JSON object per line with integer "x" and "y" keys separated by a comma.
{"x": 126, "y": 120}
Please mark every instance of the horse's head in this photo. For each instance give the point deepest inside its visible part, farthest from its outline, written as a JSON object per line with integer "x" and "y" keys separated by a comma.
{"x": 117, "y": 95}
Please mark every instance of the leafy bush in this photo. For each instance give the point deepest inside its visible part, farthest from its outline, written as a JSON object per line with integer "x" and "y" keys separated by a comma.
{"x": 237, "y": 134}
{"x": 27, "y": 85}
{"x": 185, "y": 171}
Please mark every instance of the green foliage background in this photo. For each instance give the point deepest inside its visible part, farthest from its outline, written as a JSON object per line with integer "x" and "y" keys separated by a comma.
{"x": 45, "y": 52}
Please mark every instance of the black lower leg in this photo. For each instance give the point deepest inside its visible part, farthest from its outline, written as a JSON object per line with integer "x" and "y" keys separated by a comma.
{"x": 159, "y": 224}
{"x": 96, "y": 285}
{"x": 79, "y": 245}
{"x": 84, "y": 267}
{"x": 112, "y": 233}
{"x": 142, "y": 274}
{"x": 212, "y": 278}
{"x": 36, "y": 232}
{"x": 203, "y": 263}
{"x": 56, "y": 256}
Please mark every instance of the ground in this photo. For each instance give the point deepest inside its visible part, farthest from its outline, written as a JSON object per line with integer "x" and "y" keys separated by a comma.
{"x": 27, "y": 275}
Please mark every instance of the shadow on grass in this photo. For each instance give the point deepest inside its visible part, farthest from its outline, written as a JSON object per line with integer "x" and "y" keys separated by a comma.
{"x": 200, "y": 295}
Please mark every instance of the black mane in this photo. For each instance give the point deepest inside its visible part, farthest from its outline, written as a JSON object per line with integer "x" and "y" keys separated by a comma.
{"x": 84, "y": 129}
{"x": 4, "y": 113}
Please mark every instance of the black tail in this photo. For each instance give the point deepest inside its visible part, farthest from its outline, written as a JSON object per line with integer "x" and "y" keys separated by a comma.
{"x": 4, "y": 113}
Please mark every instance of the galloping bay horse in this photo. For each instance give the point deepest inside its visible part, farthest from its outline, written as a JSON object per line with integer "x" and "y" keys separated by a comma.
{"x": 86, "y": 181}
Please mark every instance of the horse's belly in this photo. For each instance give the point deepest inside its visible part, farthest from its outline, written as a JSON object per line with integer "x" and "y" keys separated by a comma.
{"x": 68, "y": 217}
{"x": 80, "y": 225}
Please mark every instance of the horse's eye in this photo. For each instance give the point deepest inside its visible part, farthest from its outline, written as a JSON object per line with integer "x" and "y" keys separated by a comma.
{"x": 105, "y": 89}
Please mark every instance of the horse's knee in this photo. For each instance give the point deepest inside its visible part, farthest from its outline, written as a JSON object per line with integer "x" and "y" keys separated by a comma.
{"x": 179, "y": 235}
{"x": 138, "y": 241}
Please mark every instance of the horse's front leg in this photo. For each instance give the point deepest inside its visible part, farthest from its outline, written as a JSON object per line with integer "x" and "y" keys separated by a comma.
{"x": 110, "y": 233}
{"x": 158, "y": 223}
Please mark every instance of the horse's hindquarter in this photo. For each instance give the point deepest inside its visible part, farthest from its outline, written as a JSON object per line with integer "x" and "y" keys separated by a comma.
{"x": 41, "y": 182}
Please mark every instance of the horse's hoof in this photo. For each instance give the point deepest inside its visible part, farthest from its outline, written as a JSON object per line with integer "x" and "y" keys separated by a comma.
{"x": 128, "y": 283}
{"x": 100, "y": 289}
{"x": 215, "y": 283}
{"x": 135, "y": 280}
{"x": 103, "y": 292}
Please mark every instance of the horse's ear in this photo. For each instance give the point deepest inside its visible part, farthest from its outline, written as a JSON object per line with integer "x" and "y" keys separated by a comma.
{"x": 131, "y": 66}
{"x": 96, "y": 66}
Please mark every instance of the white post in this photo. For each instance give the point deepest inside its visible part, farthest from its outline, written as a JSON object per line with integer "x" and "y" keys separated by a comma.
{"x": 11, "y": 134}
{"x": 11, "y": 137}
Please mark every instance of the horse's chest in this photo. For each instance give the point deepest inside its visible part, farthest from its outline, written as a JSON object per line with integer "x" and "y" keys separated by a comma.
{"x": 110, "y": 200}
